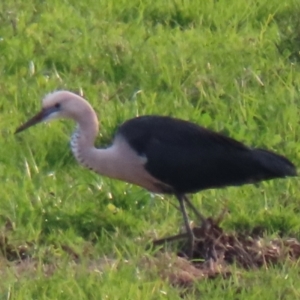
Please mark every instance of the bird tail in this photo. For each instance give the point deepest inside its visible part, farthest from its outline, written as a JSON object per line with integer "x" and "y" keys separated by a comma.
{"x": 274, "y": 165}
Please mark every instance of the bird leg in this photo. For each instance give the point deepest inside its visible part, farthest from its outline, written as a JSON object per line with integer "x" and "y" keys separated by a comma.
{"x": 193, "y": 208}
{"x": 190, "y": 234}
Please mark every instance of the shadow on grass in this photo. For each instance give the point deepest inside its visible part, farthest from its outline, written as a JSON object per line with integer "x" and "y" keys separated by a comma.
{"x": 289, "y": 26}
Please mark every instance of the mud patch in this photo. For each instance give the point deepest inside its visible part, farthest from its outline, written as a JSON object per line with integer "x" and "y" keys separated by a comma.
{"x": 215, "y": 251}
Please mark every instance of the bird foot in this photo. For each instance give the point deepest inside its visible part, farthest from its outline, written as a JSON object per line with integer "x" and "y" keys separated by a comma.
{"x": 189, "y": 247}
{"x": 199, "y": 234}
{"x": 168, "y": 239}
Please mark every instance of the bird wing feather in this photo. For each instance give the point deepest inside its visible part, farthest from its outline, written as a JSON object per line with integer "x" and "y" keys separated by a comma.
{"x": 186, "y": 156}
{"x": 190, "y": 158}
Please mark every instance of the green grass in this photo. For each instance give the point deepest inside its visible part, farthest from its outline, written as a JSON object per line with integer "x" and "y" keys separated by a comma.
{"x": 232, "y": 66}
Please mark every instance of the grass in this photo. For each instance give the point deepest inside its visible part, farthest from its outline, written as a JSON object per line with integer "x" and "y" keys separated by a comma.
{"x": 232, "y": 66}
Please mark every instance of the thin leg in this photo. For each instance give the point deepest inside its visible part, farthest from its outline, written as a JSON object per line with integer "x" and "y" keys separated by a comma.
{"x": 189, "y": 231}
{"x": 193, "y": 208}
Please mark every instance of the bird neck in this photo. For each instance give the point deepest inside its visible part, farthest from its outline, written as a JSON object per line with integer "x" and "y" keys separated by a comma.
{"x": 102, "y": 161}
{"x": 83, "y": 139}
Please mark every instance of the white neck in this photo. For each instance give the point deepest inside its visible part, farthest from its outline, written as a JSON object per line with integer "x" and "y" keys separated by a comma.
{"x": 118, "y": 161}
{"x": 101, "y": 161}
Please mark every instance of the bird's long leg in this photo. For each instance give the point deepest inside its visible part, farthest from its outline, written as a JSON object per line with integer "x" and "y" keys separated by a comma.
{"x": 189, "y": 231}
{"x": 194, "y": 209}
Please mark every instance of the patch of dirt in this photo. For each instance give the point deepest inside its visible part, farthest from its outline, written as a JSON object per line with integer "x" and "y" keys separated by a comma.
{"x": 215, "y": 250}
{"x": 181, "y": 272}
{"x": 214, "y": 253}
{"x": 12, "y": 252}
{"x": 251, "y": 250}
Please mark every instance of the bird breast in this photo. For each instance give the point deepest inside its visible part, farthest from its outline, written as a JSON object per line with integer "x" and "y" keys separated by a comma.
{"x": 119, "y": 161}
{"x": 123, "y": 163}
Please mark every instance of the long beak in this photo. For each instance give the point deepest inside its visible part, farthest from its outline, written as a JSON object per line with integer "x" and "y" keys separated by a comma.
{"x": 39, "y": 117}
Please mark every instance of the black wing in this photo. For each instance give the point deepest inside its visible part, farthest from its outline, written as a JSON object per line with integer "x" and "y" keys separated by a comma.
{"x": 191, "y": 158}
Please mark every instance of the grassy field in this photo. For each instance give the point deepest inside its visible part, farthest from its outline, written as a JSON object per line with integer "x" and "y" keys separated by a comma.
{"x": 232, "y": 66}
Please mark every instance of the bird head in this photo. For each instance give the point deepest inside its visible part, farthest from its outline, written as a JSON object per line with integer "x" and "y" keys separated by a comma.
{"x": 60, "y": 104}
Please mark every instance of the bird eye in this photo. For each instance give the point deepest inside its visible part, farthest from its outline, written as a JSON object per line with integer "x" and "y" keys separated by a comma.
{"x": 57, "y": 105}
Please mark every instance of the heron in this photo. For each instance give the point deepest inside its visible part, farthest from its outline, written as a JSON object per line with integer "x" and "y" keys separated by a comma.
{"x": 163, "y": 154}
